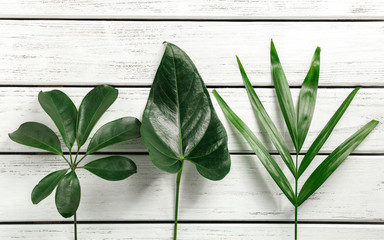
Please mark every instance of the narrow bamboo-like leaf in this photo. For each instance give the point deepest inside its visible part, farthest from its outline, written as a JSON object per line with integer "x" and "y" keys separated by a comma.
{"x": 120, "y": 130}
{"x": 262, "y": 153}
{"x": 284, "y": 96}
{"x": 113, "y": 168}
{"x": 307, "y": 99}
{"x": 179, "y": 122}
{"x": 37, "y": 135}
{"x": 266, "y": 121}
{"x": 45, "y": 187}
{"x": 68, "y": 194}
{"x": 324, "y": 134}
{"x": 63, "y": 113}
{"x": 93, "y": 106}
{"x": 329, "y": 165}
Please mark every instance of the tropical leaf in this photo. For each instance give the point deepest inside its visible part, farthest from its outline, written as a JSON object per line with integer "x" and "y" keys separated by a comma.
{"x": 329, "y": 165}
{"x": 266, "y": 121}
{"x": 324, "y": 134}
{"x": 120, "y": 130}
{"x": 37, "y": 135}
{"x": 113, "y": 168}
{"x": 93, "y": 106}
{"x": 46, "y": 186}
{"x": 68, "y": 195}
{"x": 260, "y": 151}
{"x": 307, "y": 99}
{"x": 63, "y": 113}
{"x": 179, "y": 122}
{"x": 284, "y": 96}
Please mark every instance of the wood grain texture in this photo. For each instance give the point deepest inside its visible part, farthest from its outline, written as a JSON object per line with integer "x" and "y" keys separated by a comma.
{"x": 18, "y": 105}
{"x": 352, "y": 193}
{"x": 192, "y": 231}
{"x": 198, "y": 9}
{"x": 127, "y": 53}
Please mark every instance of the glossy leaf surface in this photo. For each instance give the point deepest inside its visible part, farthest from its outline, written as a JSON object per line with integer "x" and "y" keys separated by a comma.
{"x": 93, "y": 106}
{"x": 116, "y": 131}
{"x": 329, "y": 165}
{"x": 324, "y": 134}
{"x": 284, "y": 96}
{"x": 63, "y": 113}
{"x": 179, "y": 122}
{"x": 68, "y": 195}
{"x": 266, "y": 121}
{"x": 307, "y": 99}
{"x": 45, "y": 187}
{"x": 37, "y": 135}
{"x": 261, "y": 152}
{"x": 113, "y": 168}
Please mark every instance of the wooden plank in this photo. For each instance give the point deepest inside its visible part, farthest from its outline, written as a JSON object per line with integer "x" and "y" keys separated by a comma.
{"x": 192, "y": 231}
{"x": 353, "y": 193}
{"x": 18, "y": 105}
{"x": 128, "y": 53}
{"x": 198, "y": 9}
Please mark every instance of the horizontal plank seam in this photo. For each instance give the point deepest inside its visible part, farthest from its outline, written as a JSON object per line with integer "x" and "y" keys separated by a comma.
{"x": 197, "y": 222}
{"x": 218, "y": 19}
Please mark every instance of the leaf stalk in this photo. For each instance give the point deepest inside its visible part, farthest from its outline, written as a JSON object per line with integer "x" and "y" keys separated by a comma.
{"x": 178, "y": 178}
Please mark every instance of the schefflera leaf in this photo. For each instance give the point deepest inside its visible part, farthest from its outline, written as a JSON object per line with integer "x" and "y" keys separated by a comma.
{"x": 179, "y": 122}
{"x": 68, "y": 195}
{"x": 112, "y": 168}
{"x": 46, "y": 186}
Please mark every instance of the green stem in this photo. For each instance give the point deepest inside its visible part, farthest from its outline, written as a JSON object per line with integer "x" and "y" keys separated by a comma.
{"x": 177, "y": 200}
{"x": 75, "y": 225}
{"x": 81, "y": 159}
{"x": 296, "y": 181}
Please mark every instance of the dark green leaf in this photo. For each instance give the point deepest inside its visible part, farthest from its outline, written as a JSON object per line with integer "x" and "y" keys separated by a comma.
{"x": 37, "y": 135}
{"x": 45, "y": 187}
{"x": 93, "y": 106}
{"x": 179, "y": 121}
{"x": 284, "y": 96}
{"x": 266, "y": 121}
{"x": 329, "y": 165}
{"x": 63, "y": 113}
{"x": 262, "y": 153}
{"x": 113, "y": 168}
{"x": 307, "y": 99}
{"x": 324, "y": 134}
{"x": 119, "y": 130}
{"x": 68, "y": 195}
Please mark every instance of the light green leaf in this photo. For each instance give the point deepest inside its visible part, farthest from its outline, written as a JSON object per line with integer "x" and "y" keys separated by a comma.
{"x": 119, "y": 130}
{"x": 284, "y": 96}
{"x": 324, "y": 134}
{"x": 261, "y": 152}
{"x": 45, "y": 187}
{"x": 63, "y": 113}
{"x": 266, "y": 121}
{"x": 37, "y": 135}
{"x": 329, "y": 165}
{"x": 93, "y": 106}
{"x": 307, "y": 99}
{"x": 113, "y": 168}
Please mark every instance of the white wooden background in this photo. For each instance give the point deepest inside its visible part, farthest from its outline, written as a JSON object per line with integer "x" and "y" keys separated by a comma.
{"x": 74, "y": 45}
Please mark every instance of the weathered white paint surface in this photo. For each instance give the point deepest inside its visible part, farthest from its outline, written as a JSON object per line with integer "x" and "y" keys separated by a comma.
{"x": 128, "y": 53}
{"x": 20, "y": 105}
{"x": 197, "y": 9}
{"x": 352, "y": 193}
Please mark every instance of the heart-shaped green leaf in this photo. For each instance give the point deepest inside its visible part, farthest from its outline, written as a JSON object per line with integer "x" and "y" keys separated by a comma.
{"x": 120, "y": 130}
{"x": 307, "y": 99}
{"x": 93, "y": 106}
{"x": 63, "y": 113}
{"x": 261, "y": 152}
{"x": 179, "y": 121}
{"x": 113, "y": 168}
{"x": 329, "y": 165}
{"x": 68, "y": 194}
{"x": 37, "y": 135}
{"x": 284, "y": 96}
{"x": 45, "y": 187}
